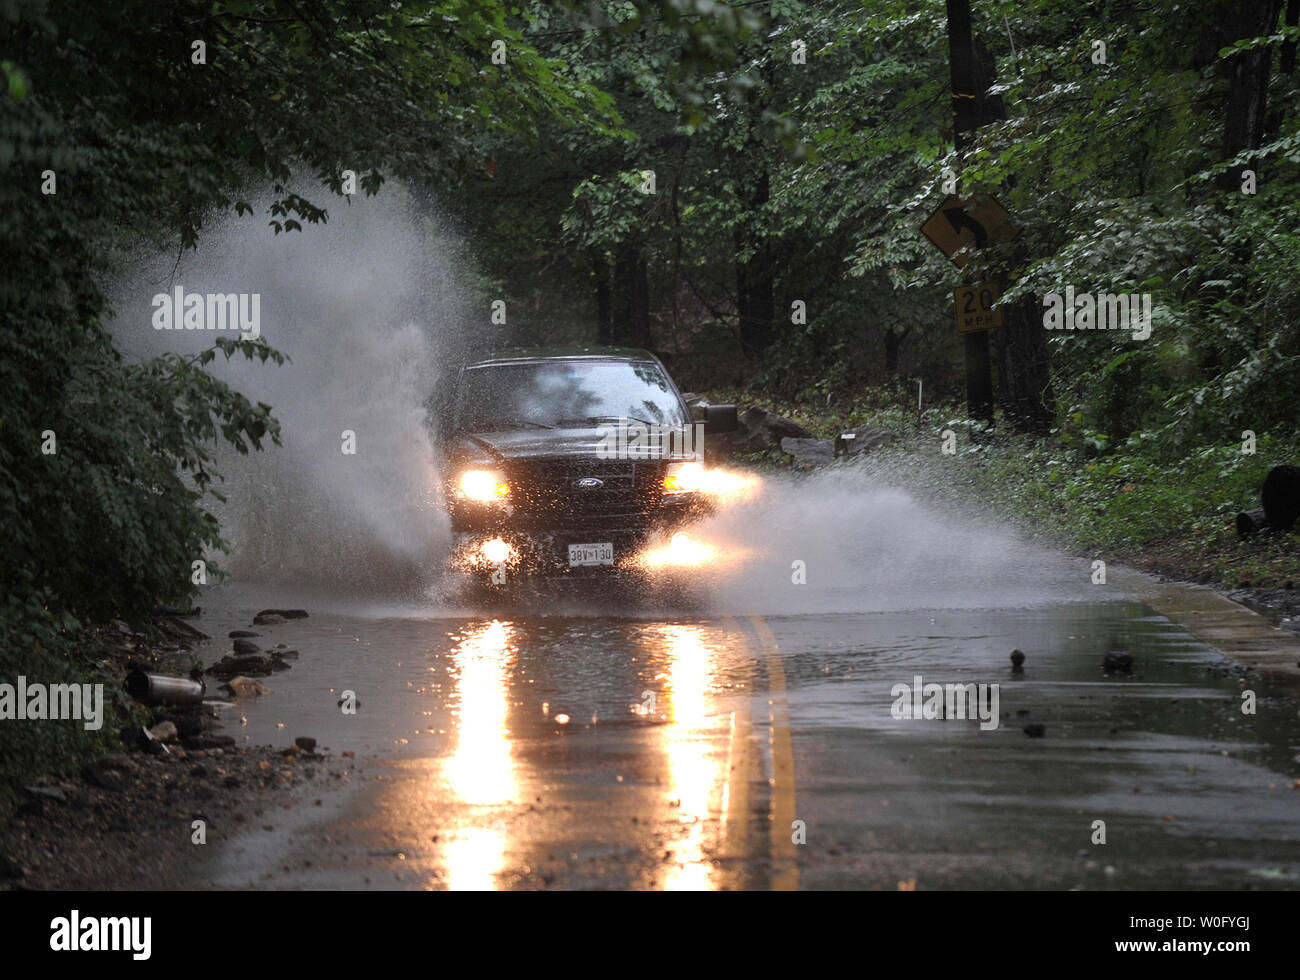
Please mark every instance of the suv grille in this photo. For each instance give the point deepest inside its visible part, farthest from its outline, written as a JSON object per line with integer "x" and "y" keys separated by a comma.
{"x": 548, "y": 492}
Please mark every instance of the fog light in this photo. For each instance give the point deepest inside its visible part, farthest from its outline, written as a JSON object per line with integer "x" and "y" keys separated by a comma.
{"x": 682, "y": 551}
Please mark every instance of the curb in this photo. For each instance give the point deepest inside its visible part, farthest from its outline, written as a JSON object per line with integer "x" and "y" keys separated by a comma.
{"x": 1228, "y": 626}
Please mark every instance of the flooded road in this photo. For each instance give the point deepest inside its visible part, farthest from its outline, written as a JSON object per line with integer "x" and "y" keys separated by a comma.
{"x": 744, "y": 751}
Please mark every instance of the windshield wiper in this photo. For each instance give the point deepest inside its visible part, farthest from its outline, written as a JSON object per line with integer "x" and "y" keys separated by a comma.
{"x": 504, "y": 426}
{"x": 615, "y": 418}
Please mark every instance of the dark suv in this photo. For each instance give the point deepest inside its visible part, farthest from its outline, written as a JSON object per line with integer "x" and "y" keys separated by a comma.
{"x": 570, "y": 462}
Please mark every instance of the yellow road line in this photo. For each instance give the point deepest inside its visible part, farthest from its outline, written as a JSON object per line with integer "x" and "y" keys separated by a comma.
{"x": 785, "y": 867}
{"x": 735, "y": 804}
{"x": 734, "y": 836}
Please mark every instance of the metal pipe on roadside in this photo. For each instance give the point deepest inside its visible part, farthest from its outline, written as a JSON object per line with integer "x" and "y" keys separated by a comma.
{"x": 161, "y": 689}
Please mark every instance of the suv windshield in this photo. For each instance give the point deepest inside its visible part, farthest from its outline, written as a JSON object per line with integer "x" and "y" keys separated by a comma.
{"x": 565, "y": 392}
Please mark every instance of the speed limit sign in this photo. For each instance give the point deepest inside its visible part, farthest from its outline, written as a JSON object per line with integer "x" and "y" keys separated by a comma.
{"x": 975, "y": 310}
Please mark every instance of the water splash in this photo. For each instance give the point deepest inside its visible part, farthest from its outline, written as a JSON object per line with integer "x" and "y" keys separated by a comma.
{"x": 861, "y": 542}
{"x": 366, "y": 307}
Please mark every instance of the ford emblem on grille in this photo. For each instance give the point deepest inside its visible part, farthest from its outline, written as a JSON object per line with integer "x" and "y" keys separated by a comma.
{"x": 588, "y": 483}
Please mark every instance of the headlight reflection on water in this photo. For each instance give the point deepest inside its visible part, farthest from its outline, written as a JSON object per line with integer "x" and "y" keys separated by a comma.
{"x": 693, "y": 773}
{"x": 481, "y": 770}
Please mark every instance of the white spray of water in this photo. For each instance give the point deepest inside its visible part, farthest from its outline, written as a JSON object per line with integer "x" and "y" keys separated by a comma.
{"x": 860, "y": 544}
{"x": 365, "y": 307}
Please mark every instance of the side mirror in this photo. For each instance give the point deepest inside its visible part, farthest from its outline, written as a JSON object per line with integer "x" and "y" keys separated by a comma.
{"x": 719, "y": 419}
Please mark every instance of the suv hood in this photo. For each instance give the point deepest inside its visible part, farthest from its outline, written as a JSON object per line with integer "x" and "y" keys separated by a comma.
{"x": 538, "y": 444}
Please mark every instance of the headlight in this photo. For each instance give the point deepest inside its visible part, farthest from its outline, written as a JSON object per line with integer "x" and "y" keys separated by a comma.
{"x": 496, "y": 551}
{"x": 484, "y": 485}
{"x": 683, "y": 477}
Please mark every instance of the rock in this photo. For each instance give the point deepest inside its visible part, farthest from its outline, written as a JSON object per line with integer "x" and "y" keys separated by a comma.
{"x": 246, "y": 646}
{"x": 286, "y": 654}
{"x": 1280, "y": 496}
{"x": 867, "y": 437}
{"x": 103, "y": 778}
{"x": 305, "y": 743}
{"x": 186, "y": 724}
{"x": 178, "y": 629}
{"x": 1251, "y": 522}
{"x": 244, "y": 687}
{"x": 1035, "y": 730}
{"x": 164, "y": 731}
{"x": 268, "y": 619}
{"x": 150, "y": 743}
{"x": 196, "y": 742}
{"x": 809, "y": 452}
{"x": 255, "y": 664}
{"x": 242, "y": 634}
{"x": 285, "y": 613}
{"x": 1117, "y": 662}
{"x": 116, "y": 763}
{"x": 47, "y": 793}
{"x": 759, "y": 430}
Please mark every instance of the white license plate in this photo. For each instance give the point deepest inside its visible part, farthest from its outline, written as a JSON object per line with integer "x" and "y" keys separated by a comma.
{"x": 601, "y": 553}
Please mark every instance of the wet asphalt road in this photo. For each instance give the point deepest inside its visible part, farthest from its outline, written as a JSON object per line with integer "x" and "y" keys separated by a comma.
{"x": 654, "y": 753}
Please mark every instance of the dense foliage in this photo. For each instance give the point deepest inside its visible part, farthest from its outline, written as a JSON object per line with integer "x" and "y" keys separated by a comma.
{"x": 1116, "y": 135}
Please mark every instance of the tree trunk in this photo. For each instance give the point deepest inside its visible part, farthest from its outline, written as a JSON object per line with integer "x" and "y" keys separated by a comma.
{"x": 640, "y": 323}
{"x": 1244, "y": 112}
{"x": 1027, "y": 396}
{"x": 1288, "y": 49}
{"x": 755, "y": 289}
{"x": 631, "y": 300}
{"x": 893, "y": 340}
{"x": 604, "y": 314}
{"x": 1024, "y": 360}
{"x": 968, "y": 114}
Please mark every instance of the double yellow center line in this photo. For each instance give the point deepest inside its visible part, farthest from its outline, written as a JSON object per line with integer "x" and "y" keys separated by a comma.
{"x": 735, "y": 817}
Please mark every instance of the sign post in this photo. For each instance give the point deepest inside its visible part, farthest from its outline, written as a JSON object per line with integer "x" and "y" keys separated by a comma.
{"x": 968, "y": 110}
